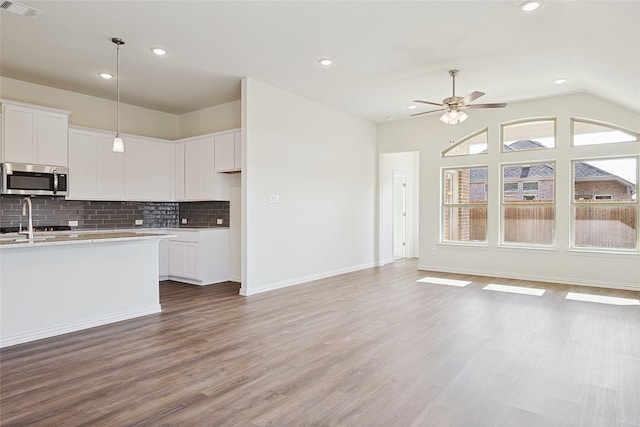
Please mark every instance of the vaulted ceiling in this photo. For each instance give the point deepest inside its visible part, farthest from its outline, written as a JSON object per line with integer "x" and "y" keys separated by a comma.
{"x": 385, "y": 53}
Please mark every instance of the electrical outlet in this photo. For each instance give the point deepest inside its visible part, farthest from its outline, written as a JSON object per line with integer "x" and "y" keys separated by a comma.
{"x": 218, "y": 221}
{"x": 138, "y": 222}
{"x": 73, "y": 223}
{"x": 183, "y": 221}
{"x": 274, "y": 198}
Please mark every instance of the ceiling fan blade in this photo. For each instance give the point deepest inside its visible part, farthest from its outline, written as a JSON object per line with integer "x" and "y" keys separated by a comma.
{"x": 473, "y": 95}
{"x": 427, "y": 112}
{"x": 439, "y": 104}
{"x": 496, "y": 105}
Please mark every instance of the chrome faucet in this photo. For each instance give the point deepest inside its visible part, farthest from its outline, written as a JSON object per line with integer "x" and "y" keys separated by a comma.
{"x": 26, "y": 206}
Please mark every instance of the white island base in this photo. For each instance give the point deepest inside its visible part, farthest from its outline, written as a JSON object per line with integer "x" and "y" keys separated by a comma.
{"x": 56, "y": 288}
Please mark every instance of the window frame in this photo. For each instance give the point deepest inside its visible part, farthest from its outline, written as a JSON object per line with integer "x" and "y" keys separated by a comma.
{"x": 577, "y": 203}
{"x": 572, "y": 134}
{"x": 464, "y": 139}
{"x": 529, "y": 120}
{"x": 444, "y": 205}
{"x": 504, "y": 203}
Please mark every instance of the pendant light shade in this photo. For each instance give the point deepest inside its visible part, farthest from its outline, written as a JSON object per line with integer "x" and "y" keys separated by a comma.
{"x": 118, "y": 143}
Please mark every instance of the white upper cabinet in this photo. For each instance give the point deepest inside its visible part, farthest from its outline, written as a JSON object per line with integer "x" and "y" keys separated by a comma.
{"x": 95, "y": 171}
{"x": 32, "y": 134}
{"x": 148, "y": 170}
{"x": 228, "y": 152}
{"x": 199, "y": 171}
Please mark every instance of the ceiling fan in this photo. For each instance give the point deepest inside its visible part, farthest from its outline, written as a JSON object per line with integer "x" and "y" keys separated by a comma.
{"x": 454, "y": 105}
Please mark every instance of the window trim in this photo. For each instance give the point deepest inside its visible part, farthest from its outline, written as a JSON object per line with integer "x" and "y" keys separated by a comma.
{"x": 611, "y": 126}
{"x": 444, "y": 205}
{"x": 529, "y": 120}
{"x": 575, "y": 203}
{"x": 464, "y": 139}
{"x": 517, "y": 202}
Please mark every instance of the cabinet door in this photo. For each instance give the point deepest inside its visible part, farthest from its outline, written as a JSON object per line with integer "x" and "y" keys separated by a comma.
{"x": 199, "y": 169}
{"x": 109, "y": 170}
{"x": 82, "y": 165}
{"x": 161, "y": 171}
{"x": 225, "y": 153}
{"x": 183, "y": 259}
{"x": 178, "y": 153}
{"x": 19, "y": 134}
{"x": 51, "y": 139}
{"x": 136, "y": 169}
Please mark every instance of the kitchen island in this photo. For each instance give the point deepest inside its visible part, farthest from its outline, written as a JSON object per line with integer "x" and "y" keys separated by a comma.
{"x": 62, "y": 283}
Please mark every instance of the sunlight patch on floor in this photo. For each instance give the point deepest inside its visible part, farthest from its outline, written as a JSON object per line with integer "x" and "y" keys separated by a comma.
{"x": 514, "y": 289}
{"x": 447, "y": 282}
{"x": 574, "y": 296}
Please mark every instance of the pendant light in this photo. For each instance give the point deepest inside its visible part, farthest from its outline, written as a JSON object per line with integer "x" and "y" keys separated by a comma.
{"x": 118, "y": 144}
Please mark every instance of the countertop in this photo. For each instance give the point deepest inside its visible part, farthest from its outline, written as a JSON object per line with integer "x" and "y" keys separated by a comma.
{"x": 11, "y": 240}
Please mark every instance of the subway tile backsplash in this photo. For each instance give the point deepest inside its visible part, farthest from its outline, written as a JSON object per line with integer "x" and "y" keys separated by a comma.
{"x": 101, "y": 215}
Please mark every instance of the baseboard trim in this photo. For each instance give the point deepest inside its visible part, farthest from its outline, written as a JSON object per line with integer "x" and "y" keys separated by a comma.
{"x": 77, "y": 326}
{"x": 533, "y": 277}
{"x": 301, "y": 280}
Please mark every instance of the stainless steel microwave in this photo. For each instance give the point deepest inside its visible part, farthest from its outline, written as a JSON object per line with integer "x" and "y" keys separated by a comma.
{"x": 36, "y": 180}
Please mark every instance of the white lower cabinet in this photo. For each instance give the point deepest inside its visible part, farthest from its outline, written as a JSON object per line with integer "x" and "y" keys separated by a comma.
{"x": 199, "y": 256}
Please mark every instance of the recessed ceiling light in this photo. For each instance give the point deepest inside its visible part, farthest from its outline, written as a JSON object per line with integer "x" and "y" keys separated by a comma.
{"x": 106, "y": 76}
{"x": 325, "y": 62}
{"x": 560, "y": 81}
{"x": 158, "y": 51}
{"x": 411, "y": 107}
{"x": 530, "y": 5}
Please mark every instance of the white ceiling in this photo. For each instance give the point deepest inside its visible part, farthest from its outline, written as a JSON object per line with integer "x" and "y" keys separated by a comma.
{"x": 386, "y": 53}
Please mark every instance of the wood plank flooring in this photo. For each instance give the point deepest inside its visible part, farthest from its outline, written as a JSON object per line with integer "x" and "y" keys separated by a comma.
{"x": 369, "y": 348}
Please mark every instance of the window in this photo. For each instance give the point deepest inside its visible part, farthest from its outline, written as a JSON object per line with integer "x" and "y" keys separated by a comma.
{"x": 590, "y": 132}
{"x": 464, "y": 205}
{"x": 510, "y": 186}
{"x": 529, "y": 134}
{"x": 528, "y": 219}
{"x": 530, "y": 186}
{"x": 475, "y": 143}
{"x": 608, "y": 219}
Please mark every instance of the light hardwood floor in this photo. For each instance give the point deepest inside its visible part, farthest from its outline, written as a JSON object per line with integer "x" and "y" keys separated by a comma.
{"x": 370, "y": 348}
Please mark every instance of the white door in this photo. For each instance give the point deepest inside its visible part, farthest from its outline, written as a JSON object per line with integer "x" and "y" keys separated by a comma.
{"x": 399, "y": 215}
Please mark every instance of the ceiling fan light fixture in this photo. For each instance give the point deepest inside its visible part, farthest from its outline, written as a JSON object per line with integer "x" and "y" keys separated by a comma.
{"x": 530, "y": 5}
{"x": 453, "y": 117}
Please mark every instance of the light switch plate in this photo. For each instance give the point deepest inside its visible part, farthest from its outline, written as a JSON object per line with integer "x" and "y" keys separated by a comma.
{"x": 274, "y": 198}
{"x": 73, "y": 223}
{"x": 183, "y": 221}
{"x": 218, "y": 221}
{"x": 138, "y": 222}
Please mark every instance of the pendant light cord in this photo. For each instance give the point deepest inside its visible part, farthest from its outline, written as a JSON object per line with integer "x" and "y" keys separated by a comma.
{"x": 118, "y": 89}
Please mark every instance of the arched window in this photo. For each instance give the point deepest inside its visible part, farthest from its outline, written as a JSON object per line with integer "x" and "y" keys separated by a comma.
{"x": 475, "y": 143}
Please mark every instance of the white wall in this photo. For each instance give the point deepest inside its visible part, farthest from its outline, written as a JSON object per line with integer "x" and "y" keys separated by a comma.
{"x": 389, "y": 163}
{"x": 321, "y": 163}
{"x": 427, "y": 135}
{"x": 93, "y": 112}
{"x": 212, "y": 119}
